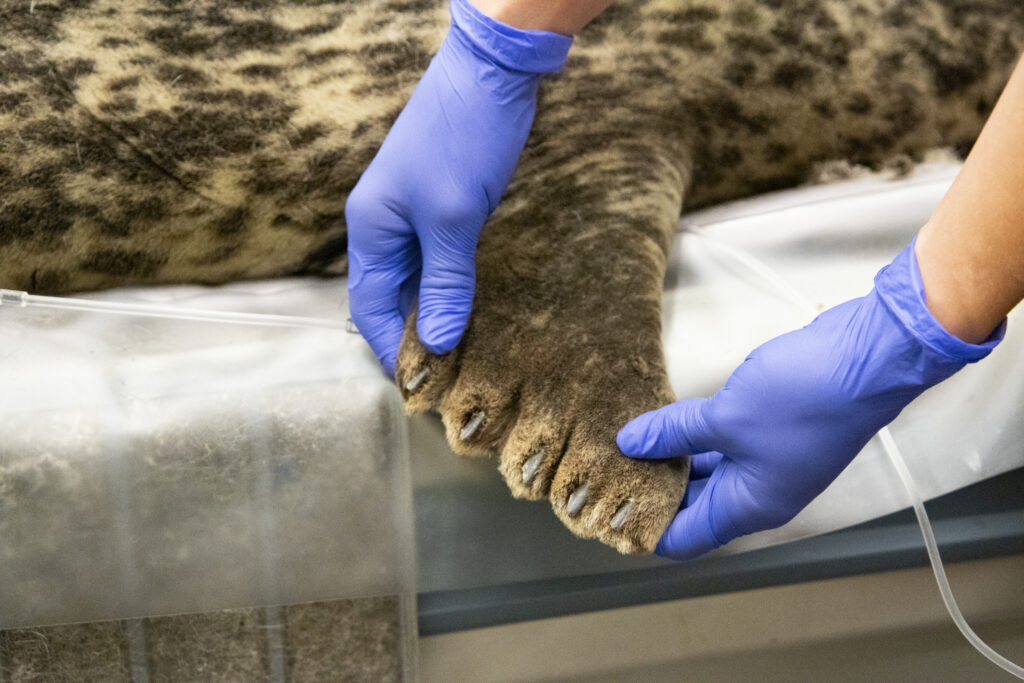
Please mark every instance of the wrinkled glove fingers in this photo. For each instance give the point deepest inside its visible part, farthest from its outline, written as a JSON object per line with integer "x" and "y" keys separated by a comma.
{"x": 374, "y": 297}
{"x": 705, "y": 523}
{"x": 446, "y": 289}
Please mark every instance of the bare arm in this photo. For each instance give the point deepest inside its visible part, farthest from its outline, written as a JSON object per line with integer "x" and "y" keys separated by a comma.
{"x": 559, "y": 16}
{"x": 971, "y": 251}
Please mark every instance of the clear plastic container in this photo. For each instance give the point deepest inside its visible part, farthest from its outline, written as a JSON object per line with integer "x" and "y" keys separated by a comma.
{"x": 153, "y": 466}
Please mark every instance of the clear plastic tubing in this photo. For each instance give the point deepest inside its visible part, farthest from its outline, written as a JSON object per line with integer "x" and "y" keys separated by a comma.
{"x": 787, "y": 292}
{"x": 10, "y": 297}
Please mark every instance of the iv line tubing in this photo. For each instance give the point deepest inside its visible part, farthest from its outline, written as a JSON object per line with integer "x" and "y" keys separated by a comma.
{"x": 10, "y": 297}
{"x": 790, "y": 294}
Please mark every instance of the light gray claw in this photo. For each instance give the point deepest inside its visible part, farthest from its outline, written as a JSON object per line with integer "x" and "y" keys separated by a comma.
{"x": 622, "y": 515}
{"x": 578, "y": 499}
{"x": 417, "y": 379}
{"x": 473, "y": 425}
{"x": 531, "y": 467}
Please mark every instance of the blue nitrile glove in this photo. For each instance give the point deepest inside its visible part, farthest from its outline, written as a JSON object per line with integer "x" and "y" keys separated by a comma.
{"x": 798, "y": 410}
{"x": 439, "y": 174}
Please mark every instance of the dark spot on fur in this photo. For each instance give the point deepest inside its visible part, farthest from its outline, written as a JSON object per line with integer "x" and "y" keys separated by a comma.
{"x": 76, "y": 67}
{"x": 15, "y": 67}
{"x": 122, "y": 262}
{"x": 260, "y": 71}
{"x": 307, "y": 134}
{"x": 44, "y": 175}
{"x": 316, "y": 29}
{"x": 59, "y": 98}
{"x": 361, "y": 129}
{"x": 201, "y": 132}
{"x": 745, "y": 41}
{"x": 775, "y": 152}
{"x": 740, "y": 71}
{"x": 112, "y": 42}
{"x": 395, "y": 57}
{"x": 112, "y": 227}
{"x": 181, "y": 76}
{"x": 577, "y": 62}
{"x": 789, "y": 28}
{"x": 256, "y": 4}
{"x": 48, "y": 280}
{"x": 259, "y": 108}
{"x": 889, "y": 63}
{"x": 255, "y": 35}
{"x": 729, "y": 156}
{"x": 323, "y": 258}
{"x": 326, "y": 55}
{"x": 897, "y": 16}
{"x": 231, "y": 223}
{"x": 146, "y": 209}
{"x": 790, "y": 74}
{"x": 234, "y": 97}
{"x": 122, "y": 83}
{"x": 328, "y": 222}
{"x": 49, "y": 132}
{"x": 410, "y": 6}
{"x": 825, "y": 109}
{"x": 267, "y": 174}
{"x": 699, "y": 13}
{"x": 952, "y": 77}
{"x": 174, "y": 41}
{"x": 643, "y": 71}
{"x": 281, "y": 219}
{"x": 859, "y": 103}
{"x": 691, "y": 36}
{"x": 11, "y": 100}
{"x": 743, "y": 17}
{"x": 723, "y": 112}
{"x": 321, "y": 166}
{"x": 41, "y": 23}
{"x": 48, "y": 218}
{"x": 903, "y": 116}
{"x": 618, "y": 17}
{"x": 119, "y": 105}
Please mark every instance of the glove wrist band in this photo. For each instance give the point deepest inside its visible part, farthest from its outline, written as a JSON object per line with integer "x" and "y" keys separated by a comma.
{"x": 511, "y": 48}
{"x": 900, "y": 288}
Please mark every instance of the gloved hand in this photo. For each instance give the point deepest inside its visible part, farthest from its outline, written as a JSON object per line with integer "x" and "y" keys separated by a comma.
{"x": 440, "y": 172}
{"x": 798, "y": 410}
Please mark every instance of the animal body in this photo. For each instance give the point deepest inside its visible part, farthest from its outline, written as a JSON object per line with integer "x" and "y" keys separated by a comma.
{"x": 162, "y": 141}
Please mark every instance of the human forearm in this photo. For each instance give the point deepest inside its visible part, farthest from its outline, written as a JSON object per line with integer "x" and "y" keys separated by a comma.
{"x": 971, "y": 251}
{"x": 559, "y": 16}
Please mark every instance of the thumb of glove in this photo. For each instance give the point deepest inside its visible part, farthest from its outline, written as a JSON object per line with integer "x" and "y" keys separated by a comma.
{"x": 670, "y": 431}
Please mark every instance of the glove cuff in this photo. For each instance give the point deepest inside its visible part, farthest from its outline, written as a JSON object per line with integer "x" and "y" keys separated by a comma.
{"x": 900, "y": 287}
{"x": 508, "y": 47}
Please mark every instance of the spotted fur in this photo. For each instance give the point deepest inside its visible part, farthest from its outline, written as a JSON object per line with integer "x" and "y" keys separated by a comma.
{"x": 154, "y": 141}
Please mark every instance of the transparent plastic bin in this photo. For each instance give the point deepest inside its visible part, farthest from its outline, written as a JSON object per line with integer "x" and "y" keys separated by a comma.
{"x": 154, "y": 466}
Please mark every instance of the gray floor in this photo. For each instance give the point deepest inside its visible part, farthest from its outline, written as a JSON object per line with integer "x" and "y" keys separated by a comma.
{"x": 879, "y": 627}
